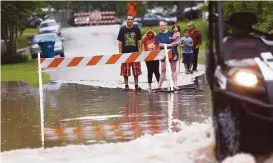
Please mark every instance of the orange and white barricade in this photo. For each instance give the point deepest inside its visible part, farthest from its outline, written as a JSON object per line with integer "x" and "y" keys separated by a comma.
{"x": 92, "y": 61}
{"x": 103, "y": 59}
{"x": 102, "y": 17}
{"x": 94, "y": 18}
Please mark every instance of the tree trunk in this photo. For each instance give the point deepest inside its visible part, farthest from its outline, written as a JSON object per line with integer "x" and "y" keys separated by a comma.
{"x": 180, "y": 9}
{"x": 4, "y": 30}
{"x": 11, "y": 48}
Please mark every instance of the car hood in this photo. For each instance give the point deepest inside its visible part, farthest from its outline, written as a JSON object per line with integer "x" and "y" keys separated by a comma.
{"x": 36, "y": 46}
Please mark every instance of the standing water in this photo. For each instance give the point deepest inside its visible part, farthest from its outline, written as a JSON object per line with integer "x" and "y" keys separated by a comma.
{"x": 86, "y": 124}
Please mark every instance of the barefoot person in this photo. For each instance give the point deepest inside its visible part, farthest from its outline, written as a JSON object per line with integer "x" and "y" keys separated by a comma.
{"x": 164, "y": 37}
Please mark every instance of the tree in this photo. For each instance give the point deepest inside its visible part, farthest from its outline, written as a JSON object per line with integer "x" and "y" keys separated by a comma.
{"x": 14, "y": 20}
{"x": 263, "y": 10}
{"x": 258, "y": 7}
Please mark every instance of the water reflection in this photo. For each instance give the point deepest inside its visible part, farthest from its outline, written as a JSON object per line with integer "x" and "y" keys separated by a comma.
{"x": 79, "y": 114}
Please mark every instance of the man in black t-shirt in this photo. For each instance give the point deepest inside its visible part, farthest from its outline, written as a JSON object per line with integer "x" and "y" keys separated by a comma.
{"x": 129, "y": 40}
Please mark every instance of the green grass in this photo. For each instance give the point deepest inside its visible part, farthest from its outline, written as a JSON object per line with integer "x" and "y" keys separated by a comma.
{"x": 200, "y": 25}
{"x": 31, "y": 30}
{"x": 27, "y": 72}
{"x": 23, "y": 40}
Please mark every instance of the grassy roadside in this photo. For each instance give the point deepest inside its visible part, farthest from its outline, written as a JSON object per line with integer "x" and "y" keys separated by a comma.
{"x": 27, "y": 72}
{"x": 200, "y": 25}
{"x": 23, "y": 39}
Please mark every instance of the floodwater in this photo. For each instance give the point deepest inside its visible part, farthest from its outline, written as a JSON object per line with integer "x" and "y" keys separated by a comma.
{"x": 80, "y": 114}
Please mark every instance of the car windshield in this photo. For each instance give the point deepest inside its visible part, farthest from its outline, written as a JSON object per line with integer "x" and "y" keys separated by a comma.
{"x": 47, "y": 24}
{"x": 38, "y": 38}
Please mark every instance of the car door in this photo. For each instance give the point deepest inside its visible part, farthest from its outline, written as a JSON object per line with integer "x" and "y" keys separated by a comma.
{"x": 147, "y": 19}
{"x": 155, "y": 19}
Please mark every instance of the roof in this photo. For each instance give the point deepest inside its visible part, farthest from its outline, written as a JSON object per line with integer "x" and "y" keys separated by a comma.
{"x": 48, "y": 20}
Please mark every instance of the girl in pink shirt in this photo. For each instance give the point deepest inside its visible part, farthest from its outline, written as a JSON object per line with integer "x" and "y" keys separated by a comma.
{"x": 175, "y": 38}
{"x": 149, "y": 42}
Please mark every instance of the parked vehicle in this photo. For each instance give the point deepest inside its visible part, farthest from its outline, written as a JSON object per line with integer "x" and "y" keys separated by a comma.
{"x": 239, "y": 69}
{"x": 50, "y": 26}
{"x": 58, "y": 47}
{"x": 151, "y": 19}
{"x": 193, "y": 12}
{"x": 137, "y": 24}
{"x": 33, "y": 21}
{"x": 170, "y": 19}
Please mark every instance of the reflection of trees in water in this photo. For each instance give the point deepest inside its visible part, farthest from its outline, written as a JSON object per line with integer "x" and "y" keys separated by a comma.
{"x": 20, "y": 116}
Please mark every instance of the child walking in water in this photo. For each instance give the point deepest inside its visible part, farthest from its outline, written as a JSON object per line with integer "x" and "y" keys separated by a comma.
{"x": 187, "y": 52}
{"x": 175, "y": 38}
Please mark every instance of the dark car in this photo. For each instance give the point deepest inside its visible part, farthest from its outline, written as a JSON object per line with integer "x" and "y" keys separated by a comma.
{"x": 193, "y": 12}
{"x": 169, "y": 18}
{"x": 240, "y": 75}
{"x": 151, "y": 19}
{"x": 136, "y": 24}
{"x": 58, "y": 47}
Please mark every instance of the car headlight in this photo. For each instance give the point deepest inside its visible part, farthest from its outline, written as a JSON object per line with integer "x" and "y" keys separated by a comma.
{"x": 245, "y": 78}
{"x": 34, "y": 46}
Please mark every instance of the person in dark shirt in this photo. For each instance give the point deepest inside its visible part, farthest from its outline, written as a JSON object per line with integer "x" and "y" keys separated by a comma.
{"x": 164, "y": 37}
{"x": 129, "y": 40}
{"x": 197, "y": 41}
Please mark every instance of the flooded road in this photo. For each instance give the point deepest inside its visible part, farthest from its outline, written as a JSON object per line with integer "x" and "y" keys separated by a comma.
{"x": 80, "y": 114}
{"x": 102, "y": 40}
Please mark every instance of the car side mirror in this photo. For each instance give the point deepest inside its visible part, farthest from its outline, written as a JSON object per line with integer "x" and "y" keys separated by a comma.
{"x": 29, "y": 42}
{"x": 62, "y": 39}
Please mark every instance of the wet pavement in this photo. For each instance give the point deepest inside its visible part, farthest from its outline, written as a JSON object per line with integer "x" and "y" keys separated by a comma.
{"x": 102, "y": 40}
{"x": 81, "y": 114}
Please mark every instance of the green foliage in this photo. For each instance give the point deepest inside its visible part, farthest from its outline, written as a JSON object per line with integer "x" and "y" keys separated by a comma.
{"x": 164, "y": 4}
{"x": 31, "y": 31}
{"x": 14, "y": 20}
{"x": 13, "y": 59}
{"x": 58, "y": 5}
{"x": 23, "y": 39}
{"x": 263, "y": 10}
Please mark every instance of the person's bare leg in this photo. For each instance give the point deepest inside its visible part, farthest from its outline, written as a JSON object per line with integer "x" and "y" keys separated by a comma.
{"x": 174, "y": 74}
{"x": 162, "y": 75}
{"x": 125, "y": 80}
{"x": 150, "y": 86}
{"x": 136, "y": 80}
{"x": 190, "y": 67}
{"x": 126, "y": 83}
{"x": 186, "y": 67}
